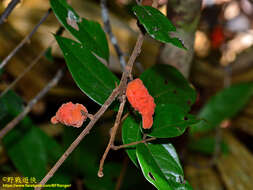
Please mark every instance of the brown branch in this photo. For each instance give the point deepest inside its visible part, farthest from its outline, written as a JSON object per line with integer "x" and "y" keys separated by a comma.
{"x": 26, "y": 39}
{"x": 113, "y": 134}
{"x": 185, "y": 15}
{"x": 124, "y": 117}
{"x": 100, "y": 112}
{"x": 8, "y": 10}
{"x": 127, "y": 73}
{"x": 133, "y": 143}
{"x": 108, "y": 29}
{"x": 155, "y": 3}
{"x": 29, "y": 106}
{"x": 34, "y": 62}
{"x": 111, "y": 98}
{"x": 136, "y": 52}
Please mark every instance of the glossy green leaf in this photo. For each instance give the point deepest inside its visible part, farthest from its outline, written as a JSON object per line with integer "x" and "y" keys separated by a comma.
{"x": 91, "y": 76}
{"x": 168, "y": 86}
{"x": 89, "y": 33}
{"x": 225, "y": 104}
{"x": 170, "y": 121}
{"x": 161, "y": 167}
{"x": 206, "y": 145}
{"x": 157, "y": 25}
{"x": 173, "y": 97}
{"x": 131, "y": 133}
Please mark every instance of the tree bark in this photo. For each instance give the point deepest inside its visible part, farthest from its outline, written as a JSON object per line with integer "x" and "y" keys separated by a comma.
{"x": 185, "y": 15}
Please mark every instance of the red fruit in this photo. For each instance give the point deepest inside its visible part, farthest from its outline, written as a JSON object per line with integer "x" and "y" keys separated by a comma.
{"x": 138, "y": 96}
{"x": 217, "y": 37}
{"x": 70, "y": 114}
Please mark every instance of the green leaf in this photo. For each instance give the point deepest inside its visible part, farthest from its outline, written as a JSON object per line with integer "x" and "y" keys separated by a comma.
{"x": 173, "y": 97}
{"x": 84, "y": 158}
{"x": 89, "y": 33}
{"x": 170, "y": 121}
{"x": 29, "y": 154}
{"x": 225, "y": 104}
{"x": 168, "y": 86}
{"x": 206, "y": 145}
{"x": 28, "y": 147}
{"x": 131, "y": 133}
{"x": 31, "y": 151}
{"x": 53, "y": 149}
{"x": 10, "y": 104}
{"x": 91, "y": 76}
{"x": 157, "y": 25}
{"x": 161, "y": 167}
{"x": 48, "y": 54}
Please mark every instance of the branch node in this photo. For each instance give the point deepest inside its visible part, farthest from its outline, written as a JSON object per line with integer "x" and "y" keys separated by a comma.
{"x": 100, "y": 174}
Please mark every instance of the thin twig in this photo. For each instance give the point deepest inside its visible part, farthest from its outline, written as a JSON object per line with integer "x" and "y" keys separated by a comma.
{"x": 8, "y": 10}
{"x": 217, "y": 147}
{"x": 126, "y": 74}
{"x": 26, "y": 39}
{"x": 112, "y": 138}
{"x": 136, "y": 52}
{"x": 100, "y": 112}
{"x": 33, "y": 63}
{"x": 124, "y": 117}
{"x": 29, "y": 106}
{"x": 132, "y": 144}
{"x": 87, "y": 129}
{"x": 155, "y": 3}
{"x": 58, "y": 32}
{"x": 108, "y": 29}
{"x": 122, "y": 173}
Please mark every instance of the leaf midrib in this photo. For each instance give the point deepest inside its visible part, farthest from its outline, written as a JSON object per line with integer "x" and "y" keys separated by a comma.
{"x": 100, "y": 49}
{"x": 88, "y": 68}
{"x": 156, "y": 23}
{"x": 165, "y": 126}
{"x": 157, "y": 164}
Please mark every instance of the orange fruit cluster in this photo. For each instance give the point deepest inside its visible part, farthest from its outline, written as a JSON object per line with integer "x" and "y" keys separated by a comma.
{"x": 71, "y": 115}
{"x": 140, "y": 99}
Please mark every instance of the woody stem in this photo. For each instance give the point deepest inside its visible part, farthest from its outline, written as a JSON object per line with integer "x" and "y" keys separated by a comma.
{"x": 113, "y": 134}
